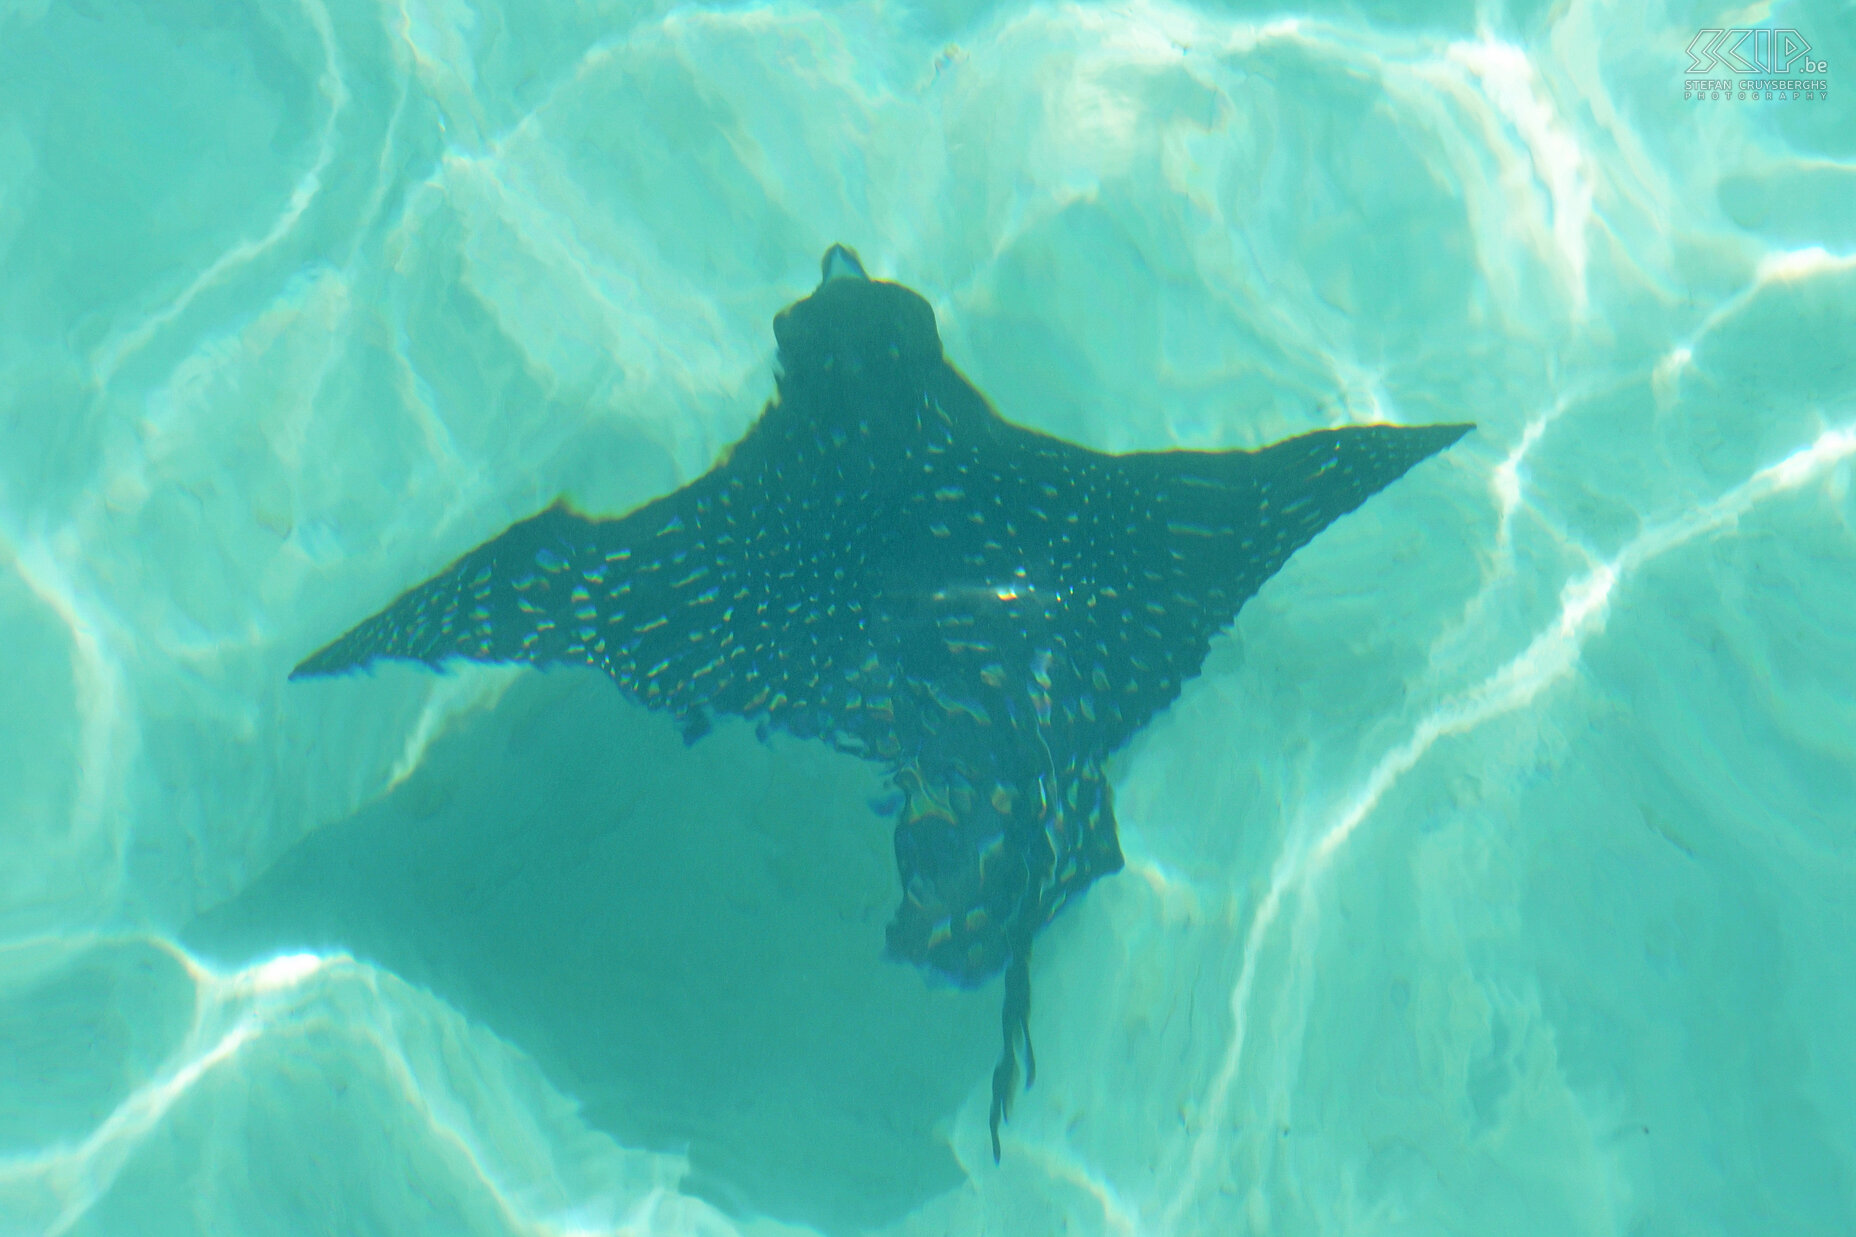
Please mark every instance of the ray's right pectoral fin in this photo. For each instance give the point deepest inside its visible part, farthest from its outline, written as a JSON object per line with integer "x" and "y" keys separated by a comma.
{"x": 507, "y": 600}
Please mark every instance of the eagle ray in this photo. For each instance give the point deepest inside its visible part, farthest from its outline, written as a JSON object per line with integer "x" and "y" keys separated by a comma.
{"x": 884, "y": 563}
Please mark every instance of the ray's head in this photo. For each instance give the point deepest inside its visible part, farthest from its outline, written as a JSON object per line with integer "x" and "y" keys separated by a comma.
{"x": 854, "y": 328}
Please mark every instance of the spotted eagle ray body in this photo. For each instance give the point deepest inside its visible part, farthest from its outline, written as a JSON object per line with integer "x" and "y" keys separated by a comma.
{"x": 886, "y": 564}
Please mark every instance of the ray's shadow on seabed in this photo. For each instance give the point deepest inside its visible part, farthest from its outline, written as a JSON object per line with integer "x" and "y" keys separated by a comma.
{"x": 687, "y": 939}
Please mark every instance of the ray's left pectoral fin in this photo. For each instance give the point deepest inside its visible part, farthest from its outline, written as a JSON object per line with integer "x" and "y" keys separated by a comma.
{"x": 506, "y": 600}
{"x": 1226, "y": 521}
{"x": 1302, "y": 485}
{"x": 1330, "y": 472}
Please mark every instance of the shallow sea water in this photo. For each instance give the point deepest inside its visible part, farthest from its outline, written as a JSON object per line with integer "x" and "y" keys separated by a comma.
{"x": 1498, "y": 875}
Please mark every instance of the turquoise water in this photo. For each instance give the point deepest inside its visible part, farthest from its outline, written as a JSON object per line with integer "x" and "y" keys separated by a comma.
{"x": 1497, "y": 876}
